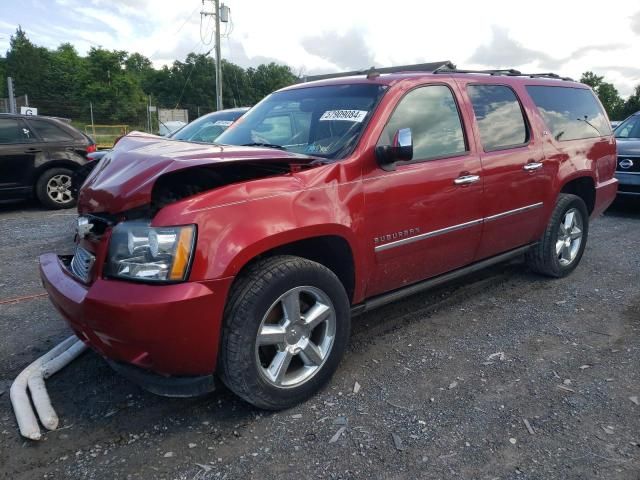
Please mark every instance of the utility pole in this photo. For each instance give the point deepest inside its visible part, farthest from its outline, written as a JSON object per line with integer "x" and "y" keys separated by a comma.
{"x": 93, "y": 127}
{"x": 12, "y": 98}
{"x": 218, "y": 58}
{"x": 221, "y": 14}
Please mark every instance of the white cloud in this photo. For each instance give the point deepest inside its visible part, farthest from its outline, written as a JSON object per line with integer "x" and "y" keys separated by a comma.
{"x": 335, "y": 34}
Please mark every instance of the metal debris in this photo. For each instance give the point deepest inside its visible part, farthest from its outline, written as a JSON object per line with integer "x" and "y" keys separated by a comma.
{"x": 397, "y": 442}
{"x": 499, "y": 355}
{"x": 340, "y": 421}
{"x": 634, "y": 399}
{"x": 529, "y": 427}
{"x": 608, "y": 430}
{"x": 337, "y": 435}
{"x": 566, "y": 389}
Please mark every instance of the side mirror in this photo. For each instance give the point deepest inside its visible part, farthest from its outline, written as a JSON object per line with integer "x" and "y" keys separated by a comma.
{"x": 401, "y": 149}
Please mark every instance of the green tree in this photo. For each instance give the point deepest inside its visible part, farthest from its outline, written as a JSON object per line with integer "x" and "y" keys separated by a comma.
{"x": 607, "y": 93}
{"x": 3, "y": 75}
{"x": 116, "y": 96}
{"x": 28, "y": 65}
{"x": 64, "y": 74}
{"x": 267, "y": 78}
{"x": 632, "y": 104}
{"x": 61, "y": 82}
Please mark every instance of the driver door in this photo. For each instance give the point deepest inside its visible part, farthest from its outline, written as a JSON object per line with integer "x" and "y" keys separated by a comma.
{"x": 425, "y": 217}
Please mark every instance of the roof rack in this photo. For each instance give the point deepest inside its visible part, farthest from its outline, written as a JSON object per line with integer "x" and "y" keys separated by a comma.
{"x": 509, "y": 72}
{"x": 374, "y": 72}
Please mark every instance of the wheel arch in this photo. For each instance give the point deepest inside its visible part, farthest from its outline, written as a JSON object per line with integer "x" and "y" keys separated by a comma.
{"x": 332, "y": 250}
{"x": 58, "y": 163}
{"x": 583, "y": 186}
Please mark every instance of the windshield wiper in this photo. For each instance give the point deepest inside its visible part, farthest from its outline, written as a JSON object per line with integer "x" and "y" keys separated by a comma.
{"x": 266, "y": 145}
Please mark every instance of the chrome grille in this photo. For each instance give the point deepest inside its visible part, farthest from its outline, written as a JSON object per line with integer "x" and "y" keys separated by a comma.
{"x": 82, "y": 263}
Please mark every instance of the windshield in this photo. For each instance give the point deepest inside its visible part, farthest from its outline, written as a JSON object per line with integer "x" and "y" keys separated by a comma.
{"x": 630, "y": 128}
{"x": 207, "y": 128}
{"x": 320, "y": 121}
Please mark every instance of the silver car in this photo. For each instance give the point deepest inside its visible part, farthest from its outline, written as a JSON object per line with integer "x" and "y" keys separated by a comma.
{"x": 628, "y": 167}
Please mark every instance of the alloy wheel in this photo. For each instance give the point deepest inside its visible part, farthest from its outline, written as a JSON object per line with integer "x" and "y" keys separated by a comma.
{"x": 295, "y": 337}
{"x": 569, "y": 237}
{"x": 59, "y": 189}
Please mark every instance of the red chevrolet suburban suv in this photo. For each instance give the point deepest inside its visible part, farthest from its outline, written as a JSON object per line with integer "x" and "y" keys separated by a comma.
{"x": 247, "y": 259}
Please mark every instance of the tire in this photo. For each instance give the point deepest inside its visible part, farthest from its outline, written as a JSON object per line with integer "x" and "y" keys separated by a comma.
{"x": 257, "y": 304}
{"x": 53, "y": 189}
{"x": 553, "y": 256}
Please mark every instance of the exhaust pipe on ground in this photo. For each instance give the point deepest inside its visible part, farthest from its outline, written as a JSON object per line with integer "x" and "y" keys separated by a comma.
{"x": 32, "y": 378}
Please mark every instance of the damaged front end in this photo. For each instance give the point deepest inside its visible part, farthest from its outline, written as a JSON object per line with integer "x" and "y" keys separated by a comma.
{"x": 147, "y": 171}
{"x": 126, "y": 291}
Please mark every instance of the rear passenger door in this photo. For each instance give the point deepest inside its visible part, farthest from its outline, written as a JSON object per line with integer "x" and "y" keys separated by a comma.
{"x": 515, "y": 180}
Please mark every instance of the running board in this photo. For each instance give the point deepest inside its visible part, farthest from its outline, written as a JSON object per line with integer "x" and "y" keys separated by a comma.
{"x": 385, "y": 298}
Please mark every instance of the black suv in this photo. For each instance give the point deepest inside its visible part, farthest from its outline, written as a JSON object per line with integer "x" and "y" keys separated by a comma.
{"x": 38, "y": 156}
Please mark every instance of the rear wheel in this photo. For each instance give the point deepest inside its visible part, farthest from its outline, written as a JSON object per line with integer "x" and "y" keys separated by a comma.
{"x": 286, "y": 328}
{"x": 53, "y": 188}
{"x": 560, "y": 250}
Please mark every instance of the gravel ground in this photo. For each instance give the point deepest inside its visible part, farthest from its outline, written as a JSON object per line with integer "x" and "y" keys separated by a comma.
{"x": 501, "y": 375}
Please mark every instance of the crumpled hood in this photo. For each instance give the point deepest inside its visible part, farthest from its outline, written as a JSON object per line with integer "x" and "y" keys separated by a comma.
{"x": 124, "y": 178}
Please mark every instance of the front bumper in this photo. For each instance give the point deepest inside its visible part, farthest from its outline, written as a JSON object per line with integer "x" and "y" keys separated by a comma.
{"x": 629, "y": 183}
{"x": 168, "y": 329}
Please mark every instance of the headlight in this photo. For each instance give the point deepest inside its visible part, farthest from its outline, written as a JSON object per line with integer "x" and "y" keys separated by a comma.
{"x": 156, "y": 254}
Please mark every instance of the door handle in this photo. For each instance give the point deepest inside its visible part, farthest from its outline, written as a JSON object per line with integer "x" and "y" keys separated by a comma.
{"x": 466, "y": 179}
{"x": 531, "y": 166}
{"x": 33, "y": 150}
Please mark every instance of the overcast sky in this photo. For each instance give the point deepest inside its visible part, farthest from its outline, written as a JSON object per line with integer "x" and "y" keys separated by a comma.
{"x": 567, "y": 37}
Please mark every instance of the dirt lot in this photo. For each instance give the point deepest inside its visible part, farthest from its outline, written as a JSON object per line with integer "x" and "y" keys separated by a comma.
{"x": 447, "y": 380}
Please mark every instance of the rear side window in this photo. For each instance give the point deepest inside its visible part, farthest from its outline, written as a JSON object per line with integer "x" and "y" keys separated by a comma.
{"x": 14, "y": 131}
{"x": 50, "y": 132}
{"x": 432, "y": 115}
{"x": 499, "y": 116}
{"x": 570, "y": 113}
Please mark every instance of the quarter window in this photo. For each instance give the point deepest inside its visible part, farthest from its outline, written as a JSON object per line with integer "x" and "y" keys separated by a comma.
{"x": 50, "y": 132}
{"x": 570, "y": 113}
{"x": 432, "y": 115}
{"x": 14, "y": 131}
{"x": 499, "y": 116}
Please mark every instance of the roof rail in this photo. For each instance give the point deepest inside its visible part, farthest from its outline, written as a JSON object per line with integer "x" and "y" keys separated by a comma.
{"x": 509, "y": 72}
{"x": 374, "y": 72}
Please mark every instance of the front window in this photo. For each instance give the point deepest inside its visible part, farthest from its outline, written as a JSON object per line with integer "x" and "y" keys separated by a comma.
{"x": 630, "y": 128}
{"x": 319, "y": 121}
{"x": 432, "y": 115}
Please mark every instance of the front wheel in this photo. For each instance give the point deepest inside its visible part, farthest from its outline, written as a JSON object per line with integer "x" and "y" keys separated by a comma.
{"x": 559, "y": 251}
{"x": 286, "y": 328}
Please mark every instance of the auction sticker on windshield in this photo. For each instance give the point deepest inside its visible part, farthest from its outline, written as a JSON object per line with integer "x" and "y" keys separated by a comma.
{"x": 223, "y": 123}
{"x": 345, "y": 115}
